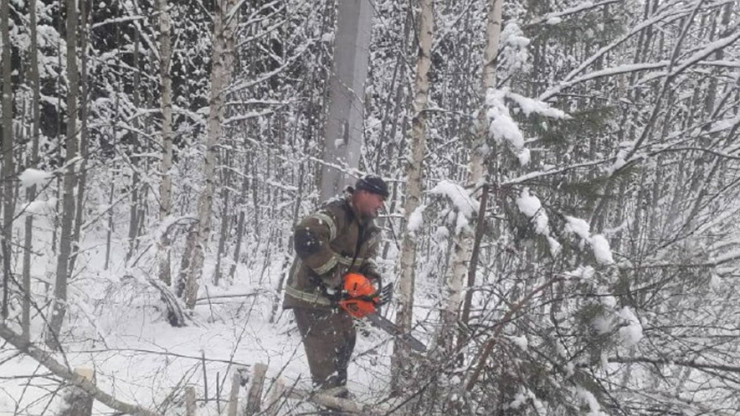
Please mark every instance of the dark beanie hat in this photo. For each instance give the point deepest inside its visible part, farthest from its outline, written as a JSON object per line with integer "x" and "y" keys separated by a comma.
{"x": 374, "y": 184}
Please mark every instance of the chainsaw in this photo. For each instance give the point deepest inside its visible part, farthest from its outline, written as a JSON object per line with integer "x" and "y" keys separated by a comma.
{"x": 361, "y": 300}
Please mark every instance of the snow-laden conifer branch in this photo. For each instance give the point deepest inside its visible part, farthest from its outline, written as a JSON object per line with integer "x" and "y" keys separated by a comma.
{"x": 667, "y": 16}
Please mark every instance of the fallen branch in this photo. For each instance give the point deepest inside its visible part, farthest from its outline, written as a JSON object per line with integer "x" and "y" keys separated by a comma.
{"x": 44, "y": 358}
{"x": 336, "y": 403}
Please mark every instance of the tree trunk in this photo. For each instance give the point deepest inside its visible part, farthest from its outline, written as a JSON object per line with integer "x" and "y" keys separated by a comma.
{"x": 77, "y": 402}
{"x": 32, "y": 160}
{"x": 240, "y": 221}
{"x": 344, "y": 125}
{"x": 165, "y": 186}
{"x": 7, "y": 147}
{"x": 59, "y": 308}
{"x": 225, "y": 220}
{"x": 414, "y": 188}
{"x": 82, "y": 178}
{"x": 222, "y": 65}
{"x": 463, "y": 242}
{"x": 135, "y": 213}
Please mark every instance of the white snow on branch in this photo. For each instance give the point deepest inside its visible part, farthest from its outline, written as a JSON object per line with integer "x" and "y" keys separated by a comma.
{"x": 555, "y": 246}
{"x": 459, "y": 197}
{"x": 40, "y": 207}
{"x": 631, "y": 333}
{"x": 528, "y": 204}
{"x": 578, "y": 227}
{"x": 463, "y": 203}
{"x": 531, "y": 206}
{"x": 502, "y": 127}
{"x": 602, "y": 251}
{"x": 524, "y": 157}
{"x": 514, "y": 52}
{"x": 31, "y": 177}
{"x": 598, "y": 243}
{"x": 594, "y": 409}
{"x": 520, "y": 342}
{"x": 531, "y": 105}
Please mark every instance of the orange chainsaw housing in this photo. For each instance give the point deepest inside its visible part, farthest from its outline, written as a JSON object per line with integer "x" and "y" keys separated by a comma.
{"x": 360, "y": 297}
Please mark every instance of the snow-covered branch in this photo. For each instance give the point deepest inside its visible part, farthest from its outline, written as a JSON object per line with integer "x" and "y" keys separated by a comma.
{"x": 45, "y": 358}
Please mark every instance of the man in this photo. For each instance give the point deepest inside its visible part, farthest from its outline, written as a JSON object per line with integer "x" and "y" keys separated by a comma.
{"x": 338, "y": 238}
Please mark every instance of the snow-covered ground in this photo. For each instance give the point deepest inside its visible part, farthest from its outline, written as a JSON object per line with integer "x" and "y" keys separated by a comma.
{"x": 116, "y": 326}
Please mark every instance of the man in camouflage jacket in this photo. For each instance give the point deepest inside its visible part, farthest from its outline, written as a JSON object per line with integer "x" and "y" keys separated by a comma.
{"x": 338, "y": 238}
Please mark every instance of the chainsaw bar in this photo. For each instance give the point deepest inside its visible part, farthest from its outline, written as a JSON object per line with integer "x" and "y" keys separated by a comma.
{"x": 388, "y": 326}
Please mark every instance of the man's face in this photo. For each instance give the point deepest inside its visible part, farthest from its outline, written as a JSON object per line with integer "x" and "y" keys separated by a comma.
{"x": 368, "y": 203}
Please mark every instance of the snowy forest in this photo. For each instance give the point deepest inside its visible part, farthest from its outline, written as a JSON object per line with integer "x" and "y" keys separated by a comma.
{"x": 561, "y": 230}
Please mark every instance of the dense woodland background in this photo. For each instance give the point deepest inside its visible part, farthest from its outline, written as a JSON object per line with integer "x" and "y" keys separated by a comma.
{"x": 591, "y": 172}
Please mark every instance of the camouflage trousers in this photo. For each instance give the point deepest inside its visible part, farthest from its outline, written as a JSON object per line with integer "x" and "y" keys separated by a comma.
{"x": 329, "y": 339}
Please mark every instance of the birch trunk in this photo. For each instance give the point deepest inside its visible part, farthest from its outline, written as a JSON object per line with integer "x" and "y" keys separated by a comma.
{"x": 414, "y": 186}
{"x": 463, "y": 242}
{"x": 59, "y": 308}
{"x": 7, "y": 147}
{"x": 31, "y": 192}
{"x": 165, "y": 186}
{"x": 225, "y": 218}
{"x": 222, "y": 62}
{"x": 344, "y": 125}
{"x": 82, "y": 175}
{"x": 135, "y": 213}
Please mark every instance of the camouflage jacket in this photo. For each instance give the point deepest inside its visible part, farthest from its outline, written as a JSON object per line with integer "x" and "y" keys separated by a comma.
{"x": 329, "y": 243}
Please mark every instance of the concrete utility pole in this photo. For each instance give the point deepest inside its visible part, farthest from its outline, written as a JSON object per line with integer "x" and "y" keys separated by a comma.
{"x": 343, "y": 128}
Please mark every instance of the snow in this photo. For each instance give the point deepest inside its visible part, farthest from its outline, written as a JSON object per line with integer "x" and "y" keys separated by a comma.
{"x": 594, "y": 409}
{"x": 31, "y": 177}
{"x": 528, "y": 204}
{"x": 520, "y": 341}
{"x": 554, "y": 246}
{"x": 524, "y": 157}
{"x": 582, "y": 272}
{"x": 40, "y": 207}
{"x": 115, "y": 325}
{"x": 533, "y": 106}
{"x": 601, "y": 249}
{"x": 598, "y": 243}
{"x": 577, "y": 226}
{"x": 609, "y": 301}
{"x": 416, "y": 219}
{"x": 458, "y": 196}
{"x": 502, "y": 126}
{"x": 631, "y": 333}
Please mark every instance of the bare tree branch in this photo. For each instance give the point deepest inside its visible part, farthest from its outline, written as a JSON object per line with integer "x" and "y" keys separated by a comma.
{"x": 44, "y": 358}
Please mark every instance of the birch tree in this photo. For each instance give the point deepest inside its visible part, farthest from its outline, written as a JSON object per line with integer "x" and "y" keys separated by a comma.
{"x": 165, "y": 185}
{"x": 59, "y": 307}
{"x": 477, "y": 166}
{"x": 414, "y": 172}
{"x": 32, "y": 160}
{"x": 225, "y": 17}
{"x": 7, "y": 146}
